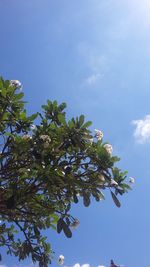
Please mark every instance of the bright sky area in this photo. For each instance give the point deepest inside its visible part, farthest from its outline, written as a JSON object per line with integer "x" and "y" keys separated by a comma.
{"x": 95, "y": 56}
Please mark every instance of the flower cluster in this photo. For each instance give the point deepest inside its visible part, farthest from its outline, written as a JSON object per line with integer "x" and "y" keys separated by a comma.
{"x": 131, "y": 180}
{"x": 15, "y": 83}
{"x": 26, "y": 137}
{"x": 98, "y": 135}
{"x": 46, "y": 140}
{"x": 108, "y": 148}
{"x": 61, "y": 260}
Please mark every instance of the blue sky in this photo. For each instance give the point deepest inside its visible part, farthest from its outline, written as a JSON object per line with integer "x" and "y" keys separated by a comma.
{"x": 95, "y": 56}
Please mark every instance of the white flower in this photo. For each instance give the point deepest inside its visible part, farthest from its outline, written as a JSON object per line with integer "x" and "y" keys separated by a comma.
{"x": 46, "y": 139}
{"x": 108, "y": 148}
{"x": 75, "y": 224}
{"x": 26, "y": 137}
{"x": 61, "y": 259}
{"x": 113, "y": 182}
{"x": 98, "y": 134}
{"x": 28, "y": 170}
{"x": 131, "y": 180}
{"x": 15, "y": 83}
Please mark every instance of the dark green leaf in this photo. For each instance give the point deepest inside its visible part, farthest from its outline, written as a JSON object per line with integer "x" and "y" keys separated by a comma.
{"x": 75, "y": 199}
{"x": 36, "y": 231}
{"x": 81, "y": 120}
{"x": 67, "y": 230}
{"x": 67, "y": 221}
{"x": 115, "y": 199}
{"x": 59, "y": 225}
{"x": 87, "y": 124}
{"x": 86, "y": 199}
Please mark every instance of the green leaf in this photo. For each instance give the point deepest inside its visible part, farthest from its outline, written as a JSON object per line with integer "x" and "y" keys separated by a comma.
{"x": 67, "y": 221}
{"x": 61, "y": 118}
{"x": 23, "y": 115}
{"x": 86, "y": 199}
{"x": 59, "y": 225}
{"x": 19, "y": 96}
{"x": 67, "y": 230}
{"x": 125, "y": 186}
{"x": 4, "y": 92}
{"x": 81, "y": 120}
{"x": 115, "y": 199}
{"x": 36, "y": 231}
{"x": 87, "y": 124}
{"x": 75, "y": 199}
{"x": 33, "y": 117}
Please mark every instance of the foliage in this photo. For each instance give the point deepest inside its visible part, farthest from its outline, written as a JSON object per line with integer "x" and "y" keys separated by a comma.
{"x": 43, "y": 170}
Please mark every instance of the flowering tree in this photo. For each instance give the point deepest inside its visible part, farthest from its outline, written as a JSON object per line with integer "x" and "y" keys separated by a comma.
{"x": 44, "y": 168}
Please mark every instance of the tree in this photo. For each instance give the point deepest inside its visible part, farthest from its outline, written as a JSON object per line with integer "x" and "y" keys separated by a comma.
{"x": 44, "y": 168}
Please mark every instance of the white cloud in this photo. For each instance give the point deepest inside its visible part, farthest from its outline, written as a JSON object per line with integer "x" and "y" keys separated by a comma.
{"x": 93, "y": 79}
{"x": 95, "y": 61}
{"x": 142, "y": 130}
{"x": 2, "y": 265}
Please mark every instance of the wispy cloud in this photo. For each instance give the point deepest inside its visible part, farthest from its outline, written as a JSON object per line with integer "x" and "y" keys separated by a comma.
{"x": 93, "y": 79}
{"x": 142, "y": 130}
{"x": 2, "y": 265}
{"x": 96, "y": 62}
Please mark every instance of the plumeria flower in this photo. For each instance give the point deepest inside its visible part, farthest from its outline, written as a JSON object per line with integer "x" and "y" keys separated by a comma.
{"x": 46, "y": 139}
{"x": 98, "y": 134}
{"x": 61, "y": 259}
{"x": 131, "y": 180}
{"x": 26, "y": 137}
{"x": 113, "y": 182}
{"x": 16, "y": 83}
{"x": 108, "y": 148}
